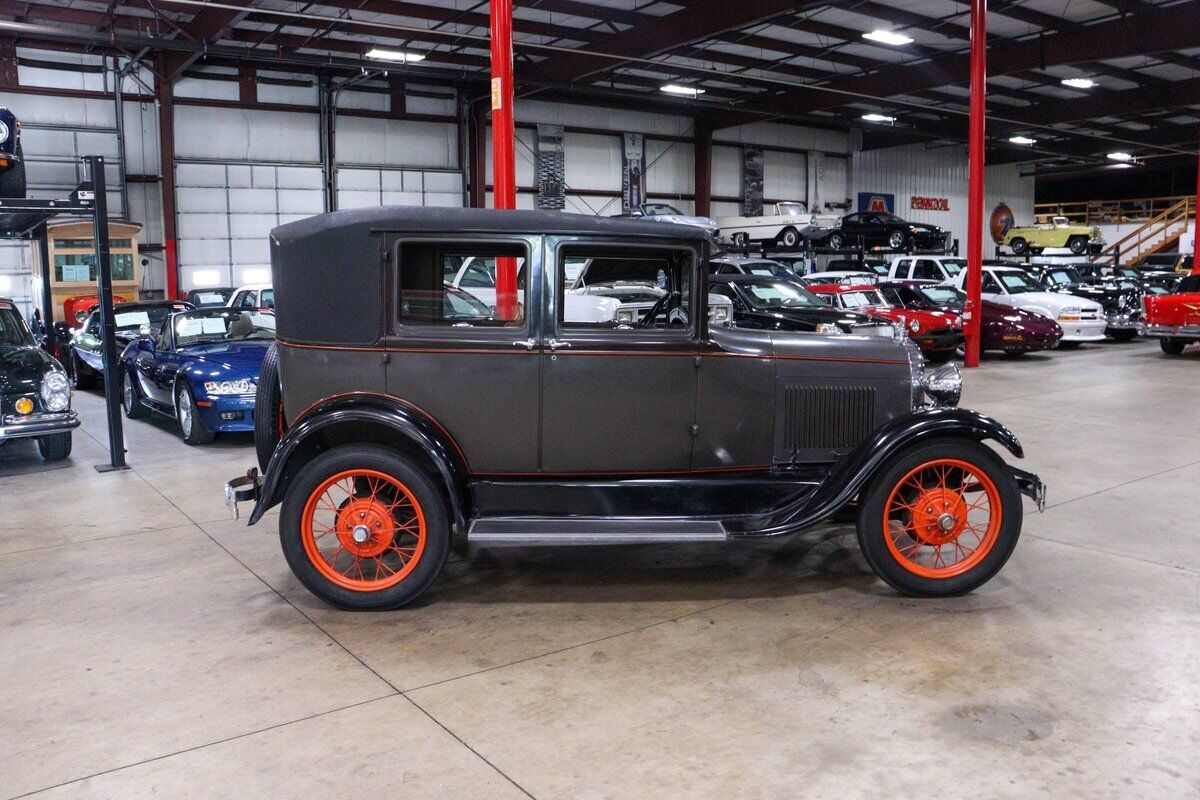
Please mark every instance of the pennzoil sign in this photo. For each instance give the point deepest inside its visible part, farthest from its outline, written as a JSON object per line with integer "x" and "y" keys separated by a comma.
{"x": 920, "y": 203}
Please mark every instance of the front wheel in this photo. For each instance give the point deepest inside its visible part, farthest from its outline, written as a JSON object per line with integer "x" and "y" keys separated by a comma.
{"x": 1078, "y": 244}
{"x": 896, "y": 240}
{"x": 789, "y": 237}
{"x": 836, "y": 241}
{"x": 1172, "y": 347}
{"x": 741, "y": 239}
{"x": 941, "y": 519}
{"x": 131, "y": 398}
{"x": 1019, "y": 246}
{"x": 269, "y": 422}
{"x": 364, "y": 529}
{"x": 191, "y": 427}
{"x": 54, "y": 447}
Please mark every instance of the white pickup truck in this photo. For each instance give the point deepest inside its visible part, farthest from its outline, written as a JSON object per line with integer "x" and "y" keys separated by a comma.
{"x": 789, "y": 223}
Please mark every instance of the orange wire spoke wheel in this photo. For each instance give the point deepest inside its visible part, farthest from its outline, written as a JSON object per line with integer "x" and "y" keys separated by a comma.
{"x": 942, "y": 518}
{"x": 363, "y": 530}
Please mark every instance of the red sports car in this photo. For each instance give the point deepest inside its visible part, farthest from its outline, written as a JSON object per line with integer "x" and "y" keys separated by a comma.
{"x": 1012, "y": 330}
{"x": 1174, "y": 318}
{"x": 938, "y": 333}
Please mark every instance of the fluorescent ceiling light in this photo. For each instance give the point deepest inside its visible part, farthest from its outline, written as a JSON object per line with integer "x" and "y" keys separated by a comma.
{"x": 1022, "y": 140}
{"x": 878, "y": 118}
{"x": 1079, "y": 83}
{"x": 1120, "y": 157}
{"x": 888, "y": 37}
{"x": 394, "y": 55}
{"x": 686, "y": 91}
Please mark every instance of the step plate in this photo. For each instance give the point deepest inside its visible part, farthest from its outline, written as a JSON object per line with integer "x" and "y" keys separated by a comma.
{"x": 532, "y": 532}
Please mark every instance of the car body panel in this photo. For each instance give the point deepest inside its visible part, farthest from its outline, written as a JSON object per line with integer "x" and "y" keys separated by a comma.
{"x": 1057, "y": 234}
{"x": 935, "y": 332}
{"x": 1175, "y": 315}
{"x": 875, "y": 229}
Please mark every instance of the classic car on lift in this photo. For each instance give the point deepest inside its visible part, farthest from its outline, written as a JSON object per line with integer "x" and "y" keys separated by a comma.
{"x": 1010, "y": 330}
{"x": 938, "y": 333}
{"x": 787, "y": 225}
{"x": 1060, "y": 233}
{"x": 771, "y": 303}
{"x": 35, "y": 395}
{"x": 732, "y": 264}
{"x": 404, "y": 429}
{"x": 201, "y": 368}
{"x": 664, "y": 212}
{"x": 1174, "y": 319}
{"x": 885, "y": 230}
{"x": 1122, "y": 304}
{"x": 82, "y": 352}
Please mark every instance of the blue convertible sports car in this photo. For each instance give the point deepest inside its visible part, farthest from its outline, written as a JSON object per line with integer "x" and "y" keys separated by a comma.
{"x": 202, "y": 369}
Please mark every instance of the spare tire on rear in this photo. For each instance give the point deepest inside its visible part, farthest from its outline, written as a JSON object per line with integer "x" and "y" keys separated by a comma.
{"x": 269, "y": 423}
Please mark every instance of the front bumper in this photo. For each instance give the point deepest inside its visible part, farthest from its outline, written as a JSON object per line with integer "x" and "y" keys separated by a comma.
{"x": 1169, "y": 331}
{"x": 938, "y": 341}
{"x": 1084, "y": 330}
{"x": 32, "y": 425}
{"x": 239, "y": 407}
{"x": 245, "y": 489}
{"x": 1123, "y": 320}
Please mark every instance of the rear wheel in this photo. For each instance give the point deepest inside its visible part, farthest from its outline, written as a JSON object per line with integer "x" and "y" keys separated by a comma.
{"x": 741, "y": 239}
{"x": 363, "y": 528}
{"x": 790, "y": 237}
{"x": 941, "y": 520}
{"x": 896, "y": 240}
{"x": 131, "y": 397}
{"x": 1077, "y": 244}
{"x": 1019, "y": 246}
{"x": 191, "y": 427}
{"x": 1172, "y": 347}
{"x": 54, "y": 447}
{"x": 269, "y": 424}
{"x": 836, "y": 241}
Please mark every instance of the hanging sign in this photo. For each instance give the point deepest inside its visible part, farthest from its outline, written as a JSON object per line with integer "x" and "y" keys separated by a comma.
{"x": 551, "y": 168}
{"x": 752, "y": 180}
{"x": 633, "y": 171}
{"x": 874, "y": 201}
{"x": 919, "y": 203}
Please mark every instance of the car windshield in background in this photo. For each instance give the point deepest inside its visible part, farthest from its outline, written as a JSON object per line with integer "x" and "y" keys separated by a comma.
{"x": 942, "y": 296}
{"x": 862, "y": 298}
{"x": 792, "y": 209}
{"x": 658, "y": 209}
{"x": 212, "y": 297}
{"x": 1061, "y": 277}
{"x": 953, "y": 266}
{"x": 12, "y": 328}
{"x": 137, "y": 317}
{"x": 761, "y": 268}
{"x": 625, "y": 270}
{"x": 222, "y": 325}
{"x": 777, "y": 295}
{"x": 1018, "y": 282}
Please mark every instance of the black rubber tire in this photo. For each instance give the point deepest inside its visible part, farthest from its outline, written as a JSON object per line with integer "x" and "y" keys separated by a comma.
{"x": 55, "y": 446}
{"x": 1077, "y": 245}
{"x": 1037, "y": 251}
{"x": 269, "y": 422}
{"x": 131, "y": 397}
{"x": 1068, "y": 345}
{"x": 388, "y": 461}
{"x": 198, "y": 433}
{"x": 1172, "y": 347}
{"x": 788, "y": 237}
{"x": 897, "y": 240}
{"x": 81, "y": 374}
{"x": 12, "y": 180}
{"x": 1015, "y": 353}
{"x": 1124, "y": 335}
{"x": 741, "y": 239}
{"x": 836, "y": 241}
{"x": 1019, "y": 246}
{"x": 871, "y": 510}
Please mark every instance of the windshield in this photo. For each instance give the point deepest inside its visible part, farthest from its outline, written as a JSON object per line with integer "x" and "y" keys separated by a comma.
{"x": 658, "y": 209}
{"x": 792, "y": 209}
{"x": 1064, "y": 275}
{"x": 864, "y": 297}
{"x": 12, "y": 328}
{"x": 777, "y": 294}
{"x": 1018, "y": 282}
{"x": 211, "y": 297}
{"x": 152, "y": 315}
{"x": 942, "y": 296}
{"x": 222, "y": 325}
{"x": 953, "y": 266}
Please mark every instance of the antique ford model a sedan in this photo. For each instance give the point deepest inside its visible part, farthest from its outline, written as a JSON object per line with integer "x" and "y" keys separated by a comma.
{"x": 411, "y": 417}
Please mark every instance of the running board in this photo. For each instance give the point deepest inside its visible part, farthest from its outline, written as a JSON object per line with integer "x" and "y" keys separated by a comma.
{"x": 535, "y": 531}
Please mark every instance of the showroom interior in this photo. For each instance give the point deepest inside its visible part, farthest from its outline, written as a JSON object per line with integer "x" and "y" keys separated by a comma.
{"x": 677, "y": 397}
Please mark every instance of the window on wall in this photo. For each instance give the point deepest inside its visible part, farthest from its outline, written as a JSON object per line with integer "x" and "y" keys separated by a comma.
{"x": 625, "y": 289}
{"x": 440, "y": 283}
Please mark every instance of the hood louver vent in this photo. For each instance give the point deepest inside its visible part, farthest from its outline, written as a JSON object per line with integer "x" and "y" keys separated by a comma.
{"x": 826, "y": 418}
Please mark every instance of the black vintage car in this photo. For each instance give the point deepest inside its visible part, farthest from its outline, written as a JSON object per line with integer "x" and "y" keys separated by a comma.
{"x": 1122, "y": 303}
{"x": 777, "y": 304}
{"x": 82, "y": 353}
{"x": 407, "y": 423}
{"x": 12, "y": 158}
{"x": 35, "y": 395}
{"x": 881, "y": 229}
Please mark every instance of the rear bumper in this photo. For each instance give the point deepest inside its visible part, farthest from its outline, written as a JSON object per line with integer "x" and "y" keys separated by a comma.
{"x": 37, "y": 425}
{"x": 1171, "y": 331}
{"x": 1123, "y": 320}
{"x": 244, "y": 489}
{"x": 1031, "y": 486}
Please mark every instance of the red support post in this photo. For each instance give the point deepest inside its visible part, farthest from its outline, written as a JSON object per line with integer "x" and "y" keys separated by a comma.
{"x": 1196, "y": 223}
{"x": 972, "y": 328}
{"x": 504, "y": 178}
{"x": 163, "y": 90}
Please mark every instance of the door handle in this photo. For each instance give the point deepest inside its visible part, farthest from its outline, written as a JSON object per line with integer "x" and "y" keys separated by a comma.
{"x": 558, "y": 344}
{"x": 528, "y": 344}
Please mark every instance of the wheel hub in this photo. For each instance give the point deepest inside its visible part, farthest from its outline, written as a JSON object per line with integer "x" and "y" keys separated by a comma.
{"x": 939, "y": 516}
{"x": 365, "y": 527}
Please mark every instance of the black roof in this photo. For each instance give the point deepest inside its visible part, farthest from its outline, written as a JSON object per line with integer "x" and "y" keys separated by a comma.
{"x": 479, "y": 220}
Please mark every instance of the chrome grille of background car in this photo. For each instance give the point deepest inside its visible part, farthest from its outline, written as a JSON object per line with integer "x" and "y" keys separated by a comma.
{"x": 1089, "y": 313}
{"x": 826, "y": 417}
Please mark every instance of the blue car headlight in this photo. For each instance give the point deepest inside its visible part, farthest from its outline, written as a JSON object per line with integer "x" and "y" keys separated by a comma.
{"x": 244, "y": 386}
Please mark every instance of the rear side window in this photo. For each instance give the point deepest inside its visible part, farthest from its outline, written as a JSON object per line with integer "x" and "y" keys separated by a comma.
{"x": 927, "y": 269}
{"x": 634, "y": 289}
{"x": 453, "y": 284}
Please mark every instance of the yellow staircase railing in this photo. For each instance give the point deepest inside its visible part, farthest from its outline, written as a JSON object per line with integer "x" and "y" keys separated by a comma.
{"x": 1154, "y": 235}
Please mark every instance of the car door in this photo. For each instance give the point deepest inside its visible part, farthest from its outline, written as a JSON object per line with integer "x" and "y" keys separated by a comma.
{"x": 852, "y": 228}
{"x": 153, "y": 360}
{"x": 620, "y": 398}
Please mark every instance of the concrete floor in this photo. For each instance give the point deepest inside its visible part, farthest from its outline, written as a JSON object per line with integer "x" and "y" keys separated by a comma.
{"x": 151, "y": 647}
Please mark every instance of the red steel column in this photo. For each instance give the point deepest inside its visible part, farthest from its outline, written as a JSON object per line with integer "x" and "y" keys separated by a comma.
{"x": 163, "y": 90}
{"x": 975, "y": 177}
{"x": 1196, "y": 224}
{"x": 504, "y": 178}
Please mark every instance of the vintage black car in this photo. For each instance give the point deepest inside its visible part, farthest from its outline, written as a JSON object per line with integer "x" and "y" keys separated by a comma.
{"x": 82, "y": 352}
{"x": 408, "y": 420}
{"x": 35, "y": 395}
{"x": 881, "y": 229}
{"x": 1122, "y": 303}
{"x": 12, "y": 158}
{"x": 778, "y": 304}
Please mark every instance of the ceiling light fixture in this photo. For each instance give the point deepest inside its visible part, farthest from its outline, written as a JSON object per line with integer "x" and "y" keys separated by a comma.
{"x": 1079, "y": 83}
{"x": 685, "y": 91}
{"x": 888, "y": 37}
{"x": 1120, "y": 156}
{"x": 1022, "y": 140}
{"x": 382, "y": 54}
{"x": 879, "y": 118}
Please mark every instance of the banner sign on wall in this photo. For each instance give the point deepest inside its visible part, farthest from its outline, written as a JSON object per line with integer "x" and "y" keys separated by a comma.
{"x": 752, "y": 180}
{"x": 551, "y": 168}
{"x": 918, "y": 203}
{"x": 874, "y": 201}
{"x": 633, "y": 171}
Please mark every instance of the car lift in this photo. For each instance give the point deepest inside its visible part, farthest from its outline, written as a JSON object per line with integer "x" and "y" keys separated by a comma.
{"x": 22, "y": 218}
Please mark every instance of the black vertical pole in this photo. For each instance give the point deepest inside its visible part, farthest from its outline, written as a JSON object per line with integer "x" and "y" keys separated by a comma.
{"x": 112, "y": 380}
{"x": 46, "y": 300}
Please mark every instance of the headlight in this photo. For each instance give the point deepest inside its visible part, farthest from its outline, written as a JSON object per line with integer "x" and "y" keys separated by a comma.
{"x": 719, "y": 313}
{"x": 1069, "y": 314}
{"x": 944, "y": 385}
{"x": 230, "y": 387}
{"x": 916, "y": 371}
{"x": 914, "y": 326}
{"x": 4, "y": 133}
{"x": 55, "y": 391}
{"x": 625, "y": 317}
{"x": 920, "y": 230}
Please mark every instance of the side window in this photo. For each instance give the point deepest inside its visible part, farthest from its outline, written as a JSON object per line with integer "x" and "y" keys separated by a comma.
{"x": 163, "y": 340}
{"x": 247, "y": 300}
{"x": 625, "y": 289}
{"x": 892, "y": 295}
{"x": 990, "y": 284}
{"x": 927, "y": 269}
{"x": 425, "y": 296}
{"x": 267, "y": 298}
